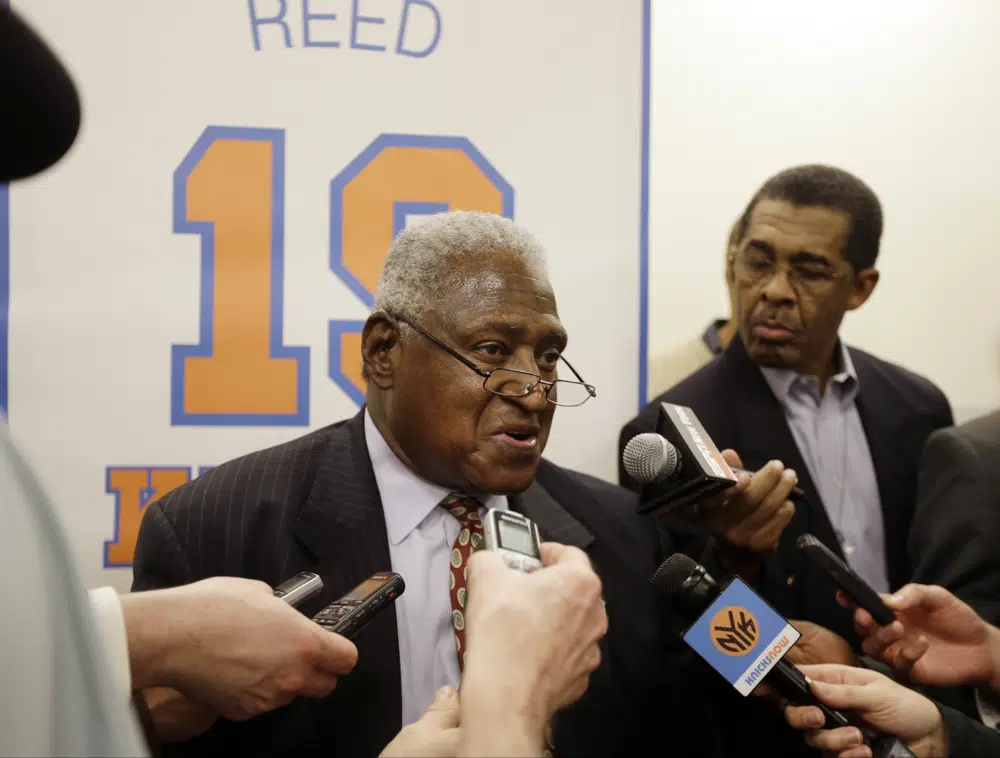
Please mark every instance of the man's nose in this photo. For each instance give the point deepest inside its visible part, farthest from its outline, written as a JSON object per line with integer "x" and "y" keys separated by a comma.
{"x": 534, "y": 401}
{"x": 779, "y": 288}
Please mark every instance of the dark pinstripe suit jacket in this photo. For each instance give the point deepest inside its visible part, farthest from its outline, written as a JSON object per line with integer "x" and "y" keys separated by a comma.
{"x": 313, "y": 504}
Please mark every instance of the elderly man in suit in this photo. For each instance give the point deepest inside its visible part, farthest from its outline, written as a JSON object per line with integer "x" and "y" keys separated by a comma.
{"x": 464, "y": 356}
{"x": 788, "y": 391}
{"x": 956, "y": 526}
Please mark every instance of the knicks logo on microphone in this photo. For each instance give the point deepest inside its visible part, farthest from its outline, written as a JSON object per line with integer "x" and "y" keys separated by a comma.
{"x": 734, "y": 630}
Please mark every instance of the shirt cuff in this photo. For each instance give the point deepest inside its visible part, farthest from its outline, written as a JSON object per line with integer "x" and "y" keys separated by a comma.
{"x": 988, "y": 707}
{"x": 107, "y": 611}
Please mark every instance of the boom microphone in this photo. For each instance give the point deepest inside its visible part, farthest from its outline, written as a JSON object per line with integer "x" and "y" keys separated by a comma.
{"x": 745, "y": 640}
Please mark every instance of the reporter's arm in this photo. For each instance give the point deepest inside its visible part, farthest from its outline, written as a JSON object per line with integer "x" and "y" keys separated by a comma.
{"x": 500, "y": 715}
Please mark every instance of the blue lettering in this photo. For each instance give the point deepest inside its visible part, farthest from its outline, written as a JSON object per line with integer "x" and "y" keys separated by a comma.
{"x": 356, "y": 21}
{"x": 400, "y": 50}
{"x": 279, "y": 19}
{"x": 306, "y": 18}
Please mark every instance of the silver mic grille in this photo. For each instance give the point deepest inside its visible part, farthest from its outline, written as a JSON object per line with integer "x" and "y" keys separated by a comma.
{"x": 649, "y": 457}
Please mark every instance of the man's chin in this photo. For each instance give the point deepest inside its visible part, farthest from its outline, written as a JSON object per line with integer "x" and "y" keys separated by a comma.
{"x": 773, "y": 354}
{"x": 504, "y": 479}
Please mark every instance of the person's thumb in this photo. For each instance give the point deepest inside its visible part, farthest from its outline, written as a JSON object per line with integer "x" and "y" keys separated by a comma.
{"x": 443, "y": 712}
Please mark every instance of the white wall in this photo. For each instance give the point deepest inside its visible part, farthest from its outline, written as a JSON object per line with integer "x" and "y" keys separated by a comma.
{"x": 904, "y": 93}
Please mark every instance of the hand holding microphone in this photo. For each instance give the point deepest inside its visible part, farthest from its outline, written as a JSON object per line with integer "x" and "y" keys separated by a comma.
{"x": 936, "y": 640}
{"x": 750, "y": 514}
{"x": 886, "y": 705}
{"x": 746, "y": 641}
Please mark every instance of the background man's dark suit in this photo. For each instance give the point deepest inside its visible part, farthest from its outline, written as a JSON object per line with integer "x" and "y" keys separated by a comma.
{"x": 967, "y": 737}
{"x": 956, "y": 526}
{"x": 313, "y": 504}
{"x": 734, "y": 403}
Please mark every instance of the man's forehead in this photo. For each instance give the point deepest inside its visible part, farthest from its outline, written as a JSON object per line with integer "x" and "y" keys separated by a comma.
{"x": 805, "y": 227}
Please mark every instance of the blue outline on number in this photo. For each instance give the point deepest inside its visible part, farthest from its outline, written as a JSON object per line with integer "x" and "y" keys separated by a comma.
{"x": 118, "y": 503}
{"x": 403, "y": 208}
{"x": 400, "y": 209}
{"x": 205, "y": 229}
{"x": 336, "y": 329}
{"x": 341, "y": 181}
{"x": 644, "y": 211}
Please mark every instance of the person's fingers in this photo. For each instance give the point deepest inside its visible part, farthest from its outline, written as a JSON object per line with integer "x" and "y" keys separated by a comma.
{"x": 905, "y": 652}
{"x": 863, "y": 751}
{"x": 927, "y": 597}
{"x": 864, "y": 623}
{"x": 750, "y": 502}
{"x": 555, "y": 553}
{"x": 852, "y": 696}
{"x": 835, "y": 740}
{"x": 318, "y": 685}
{"x": 768, "y": 535}
{"x": 592, "y": 659}
{"x": 838, "y": 673}
{"x": 444, "y": 710}
{"x": 731, "y": 457}
{"x": 845, "y": 601}
{"x": 882, "y": 637}
{"x": 336, "y": 654}
{"x": 805, "y": 718}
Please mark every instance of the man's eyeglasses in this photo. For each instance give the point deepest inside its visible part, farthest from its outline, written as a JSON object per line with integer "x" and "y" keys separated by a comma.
{"x": 758, "y": 269}
{"x": 512, "y": 382}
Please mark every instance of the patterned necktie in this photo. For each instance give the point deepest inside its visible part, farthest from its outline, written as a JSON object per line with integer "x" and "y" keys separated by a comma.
{"x": 470, "y": 538}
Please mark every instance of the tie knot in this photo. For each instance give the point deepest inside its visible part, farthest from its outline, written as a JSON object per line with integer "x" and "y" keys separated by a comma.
{"x": 462, "y": 507}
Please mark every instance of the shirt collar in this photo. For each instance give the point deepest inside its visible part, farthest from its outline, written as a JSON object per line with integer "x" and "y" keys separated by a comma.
{"x": 407, "y": 499}
{"x": 783, "y": 382}
{"x": 711, "y": 335}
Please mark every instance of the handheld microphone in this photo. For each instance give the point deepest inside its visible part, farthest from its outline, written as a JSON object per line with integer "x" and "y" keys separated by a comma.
{"x": 745, "y": 640}
{"x": 679, "y": 464}
{"x": 651, "y": 458}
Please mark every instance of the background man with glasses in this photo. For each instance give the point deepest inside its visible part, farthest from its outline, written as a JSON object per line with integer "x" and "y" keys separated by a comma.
{"x": 462, "y": 356}
{"x": 788, "y": 389}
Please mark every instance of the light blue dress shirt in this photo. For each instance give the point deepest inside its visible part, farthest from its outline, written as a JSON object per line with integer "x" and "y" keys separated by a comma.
{"x": 831, "y": 439}
{"x": 421, "y": 536}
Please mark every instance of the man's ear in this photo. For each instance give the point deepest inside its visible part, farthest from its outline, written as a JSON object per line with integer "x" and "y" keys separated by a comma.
{"x": 864, "y": 285}
{"x": 378, "y": 339}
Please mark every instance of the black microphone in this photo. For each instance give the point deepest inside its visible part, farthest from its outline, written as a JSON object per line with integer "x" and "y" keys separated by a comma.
{"x": 684, "y": 582}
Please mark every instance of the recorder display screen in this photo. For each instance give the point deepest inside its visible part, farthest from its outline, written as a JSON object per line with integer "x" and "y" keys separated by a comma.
{"x": 515, "y": 536}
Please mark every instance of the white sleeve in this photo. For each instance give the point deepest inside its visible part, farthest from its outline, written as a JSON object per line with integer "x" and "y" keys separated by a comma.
{"x": 989, "y": 711}
{"x": 110, "y": 620}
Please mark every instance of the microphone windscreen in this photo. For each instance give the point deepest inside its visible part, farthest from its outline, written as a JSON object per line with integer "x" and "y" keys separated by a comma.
{"x": 672, "y": 573}
{"x": 648, "y": 457}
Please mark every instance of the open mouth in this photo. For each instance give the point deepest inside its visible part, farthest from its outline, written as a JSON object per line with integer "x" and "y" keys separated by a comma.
{"x": 522, "y": 438}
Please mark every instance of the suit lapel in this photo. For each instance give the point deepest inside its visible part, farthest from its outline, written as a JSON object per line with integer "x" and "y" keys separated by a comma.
{"x": 555, "y": 524}
{"x": 765, "y": 435}
{"x": 342, "y": 526}
{"x": 883, "y": 430}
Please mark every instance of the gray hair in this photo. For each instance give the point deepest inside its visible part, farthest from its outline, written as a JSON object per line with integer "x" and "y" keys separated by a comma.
{"x": 416, "y": 268}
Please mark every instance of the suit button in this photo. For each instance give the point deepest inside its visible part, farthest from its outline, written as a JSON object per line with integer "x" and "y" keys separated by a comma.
{"x": 790, "y": 580}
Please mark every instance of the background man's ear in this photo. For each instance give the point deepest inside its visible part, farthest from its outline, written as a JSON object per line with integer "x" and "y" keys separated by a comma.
{"x": 864, "y": 285}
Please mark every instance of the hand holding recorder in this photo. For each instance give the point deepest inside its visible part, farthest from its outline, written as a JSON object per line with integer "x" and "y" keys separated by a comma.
{"x": 231, "y": 645}
{"x": 532, "y": 635}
